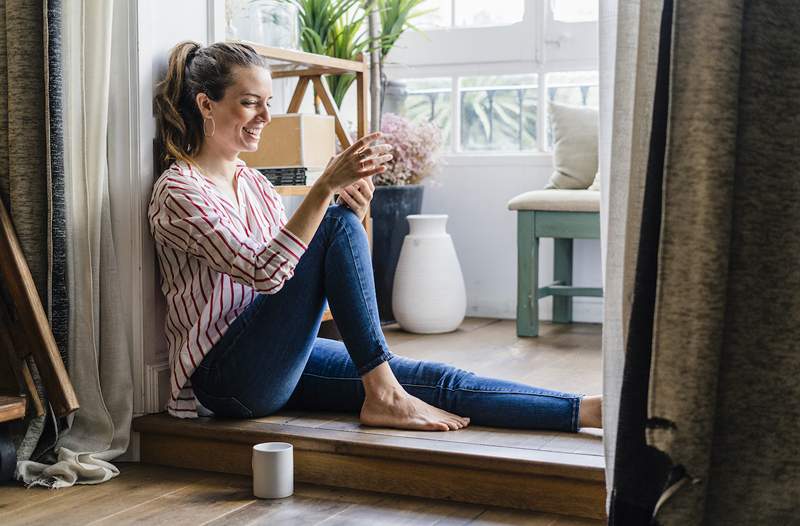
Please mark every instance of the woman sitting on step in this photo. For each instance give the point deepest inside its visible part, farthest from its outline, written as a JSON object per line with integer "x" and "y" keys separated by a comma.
{"x": 246, "y": 289}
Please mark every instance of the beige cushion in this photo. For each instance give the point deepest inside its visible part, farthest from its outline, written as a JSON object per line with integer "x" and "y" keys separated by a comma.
{"x": 596, "y": 183}
{"x": 557, "y": 200}
{"x": 574, "y": 146}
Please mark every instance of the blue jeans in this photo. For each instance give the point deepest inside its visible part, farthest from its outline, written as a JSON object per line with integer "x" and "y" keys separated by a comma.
{"x": 270, "y": 358}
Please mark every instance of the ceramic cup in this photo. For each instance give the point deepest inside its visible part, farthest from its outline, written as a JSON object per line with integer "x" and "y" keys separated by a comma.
{"x": 273, "y": 470}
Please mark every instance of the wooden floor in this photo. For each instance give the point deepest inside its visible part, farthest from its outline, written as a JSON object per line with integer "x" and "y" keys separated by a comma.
{"x": 154, "y": 495}
{"x": 564, "y": 357}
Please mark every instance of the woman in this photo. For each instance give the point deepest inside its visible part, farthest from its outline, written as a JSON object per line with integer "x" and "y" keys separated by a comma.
{"x": 246, "y": 289}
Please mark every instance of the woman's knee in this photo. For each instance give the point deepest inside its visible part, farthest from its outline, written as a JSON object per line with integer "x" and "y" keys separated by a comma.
{"x": 344, "y": 214}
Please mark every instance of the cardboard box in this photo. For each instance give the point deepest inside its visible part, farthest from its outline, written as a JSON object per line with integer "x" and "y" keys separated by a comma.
{"x": 294, "y": 139}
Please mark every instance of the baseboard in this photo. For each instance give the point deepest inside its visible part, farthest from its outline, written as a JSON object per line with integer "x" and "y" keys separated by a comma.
{"x": 156, "y": 387}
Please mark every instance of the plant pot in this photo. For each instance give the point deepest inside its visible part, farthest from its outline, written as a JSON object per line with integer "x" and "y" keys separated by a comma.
{"x": 389, "y": 208}
{"x": 429, "y": 296}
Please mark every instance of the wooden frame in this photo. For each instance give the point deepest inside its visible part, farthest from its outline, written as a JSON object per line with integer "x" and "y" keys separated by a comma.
{"x": 25, "y": 331}
{"x": 309, "y": 68}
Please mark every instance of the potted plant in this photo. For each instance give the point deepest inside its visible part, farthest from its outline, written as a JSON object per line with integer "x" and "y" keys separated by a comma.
{"x": 398, "y": 194}
{"x": 339, "y": 28}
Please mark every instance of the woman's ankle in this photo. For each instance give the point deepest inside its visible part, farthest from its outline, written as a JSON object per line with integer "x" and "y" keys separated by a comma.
{"x": 381, "y": 382}
{"x": 590, "y": 412}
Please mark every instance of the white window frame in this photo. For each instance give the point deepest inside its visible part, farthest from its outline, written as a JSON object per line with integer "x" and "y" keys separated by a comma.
{"x": 537, "y": 44}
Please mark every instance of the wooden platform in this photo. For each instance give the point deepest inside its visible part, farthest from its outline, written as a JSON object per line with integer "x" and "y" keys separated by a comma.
{"x": 532, "y": 470}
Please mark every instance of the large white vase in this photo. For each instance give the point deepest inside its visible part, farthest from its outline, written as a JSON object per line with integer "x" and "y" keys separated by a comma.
{"x": 428, "y": 295}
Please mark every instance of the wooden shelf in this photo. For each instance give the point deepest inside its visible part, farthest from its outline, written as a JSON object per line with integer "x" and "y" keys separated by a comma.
{"x": 292, "y": 63}
{"x": 289, "y": 189}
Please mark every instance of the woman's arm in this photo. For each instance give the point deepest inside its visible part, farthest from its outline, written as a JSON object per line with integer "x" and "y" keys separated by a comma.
{"x": 183, "y": 219}
{"x": 359, "y": 161}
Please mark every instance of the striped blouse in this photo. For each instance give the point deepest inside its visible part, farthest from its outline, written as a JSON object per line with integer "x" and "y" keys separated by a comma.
{"x": 215, "y": 256}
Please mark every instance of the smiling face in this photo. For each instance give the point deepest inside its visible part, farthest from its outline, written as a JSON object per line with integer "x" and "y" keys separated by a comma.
{"x": 242, "y": 112}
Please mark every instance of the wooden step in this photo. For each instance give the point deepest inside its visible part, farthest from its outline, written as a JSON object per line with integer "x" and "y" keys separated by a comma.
{"x": 11, "y": 407}
{"x": 540, "y": 471}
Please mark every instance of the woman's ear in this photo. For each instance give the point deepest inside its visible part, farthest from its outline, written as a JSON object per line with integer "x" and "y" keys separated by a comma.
{"x": 204, "y": 105}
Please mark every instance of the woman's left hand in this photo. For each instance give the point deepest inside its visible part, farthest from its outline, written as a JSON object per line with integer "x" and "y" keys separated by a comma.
{"x": 358, "y": 195}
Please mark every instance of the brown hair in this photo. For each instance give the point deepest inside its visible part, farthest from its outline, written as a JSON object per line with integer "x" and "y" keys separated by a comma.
{"x": 194, "y": 69}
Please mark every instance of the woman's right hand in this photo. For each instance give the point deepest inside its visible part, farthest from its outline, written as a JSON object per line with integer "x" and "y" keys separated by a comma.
{"x": 362, "y": 159}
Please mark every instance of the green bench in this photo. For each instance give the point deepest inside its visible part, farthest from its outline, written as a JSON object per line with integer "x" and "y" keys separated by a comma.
{"x": 563, "y": 215}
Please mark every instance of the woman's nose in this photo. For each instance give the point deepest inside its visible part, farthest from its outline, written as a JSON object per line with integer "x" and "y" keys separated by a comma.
{"x": 265, "y": 114}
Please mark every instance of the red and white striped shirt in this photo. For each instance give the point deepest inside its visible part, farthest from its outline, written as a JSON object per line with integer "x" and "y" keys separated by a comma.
{"x": 215, "y": 256}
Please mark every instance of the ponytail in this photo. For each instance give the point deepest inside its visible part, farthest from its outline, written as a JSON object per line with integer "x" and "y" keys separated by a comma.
{"x": 193, "y": 69}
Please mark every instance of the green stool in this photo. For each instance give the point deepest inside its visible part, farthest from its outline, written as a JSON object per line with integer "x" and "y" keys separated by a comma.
{"x": 563, "y": 215}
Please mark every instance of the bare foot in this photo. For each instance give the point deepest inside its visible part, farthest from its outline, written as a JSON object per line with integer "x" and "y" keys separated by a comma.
{"x": 398, "y": 409}
{"x": 590, "y": 413}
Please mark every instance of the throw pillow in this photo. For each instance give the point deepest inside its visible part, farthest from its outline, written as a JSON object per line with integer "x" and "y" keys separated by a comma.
{"x": 595, "y": 186}
{"x": 574, "y": 146}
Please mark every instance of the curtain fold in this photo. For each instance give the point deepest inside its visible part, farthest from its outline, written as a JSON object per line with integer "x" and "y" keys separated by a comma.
{"x": 629, "y": 38}
{"x": 706, "y": 417}
{"x": 726, "y": 367}
{"x": 100, "y": 364}
{"x": 642, "y": 472}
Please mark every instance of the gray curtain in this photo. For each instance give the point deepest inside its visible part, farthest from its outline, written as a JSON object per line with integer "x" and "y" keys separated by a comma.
{"x": 716, "y": 368}
{"x": 32, "y": 174}
{"x": 629, "y": 39}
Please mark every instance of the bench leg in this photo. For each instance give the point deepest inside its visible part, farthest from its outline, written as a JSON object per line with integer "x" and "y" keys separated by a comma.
{"x": 562, "y": 272}
{"x": 527, "y": 275}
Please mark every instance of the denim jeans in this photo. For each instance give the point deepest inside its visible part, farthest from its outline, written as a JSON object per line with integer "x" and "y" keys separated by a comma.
{"x": 270, "y": 357}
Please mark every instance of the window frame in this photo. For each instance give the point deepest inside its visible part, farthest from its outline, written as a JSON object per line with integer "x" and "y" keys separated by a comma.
{"x": 448, "y": 52}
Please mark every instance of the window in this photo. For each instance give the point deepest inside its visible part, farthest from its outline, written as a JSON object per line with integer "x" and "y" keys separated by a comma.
{"x": 430, "y": 100}
{"x": 484, "y": 74}
{"x": 471, "y": 13}
{"x": 498, "y": 113}
{"x": 574, "y": 10}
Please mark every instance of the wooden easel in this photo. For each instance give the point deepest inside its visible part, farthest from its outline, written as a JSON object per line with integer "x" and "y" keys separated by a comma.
{"x": 25, "y": 331}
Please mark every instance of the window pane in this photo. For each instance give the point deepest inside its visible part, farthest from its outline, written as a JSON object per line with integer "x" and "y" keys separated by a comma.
{"x": 438, "y": 13}
{"x": 473, "y": 13}
{"x": 575, "y": 88}
{"x": 498, "y": 113}
{"x": 428, "y": 100}
{"x": 574, "y": 10}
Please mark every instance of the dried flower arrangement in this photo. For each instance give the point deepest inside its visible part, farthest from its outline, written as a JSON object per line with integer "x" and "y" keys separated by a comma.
{"x": 416, "y": 149}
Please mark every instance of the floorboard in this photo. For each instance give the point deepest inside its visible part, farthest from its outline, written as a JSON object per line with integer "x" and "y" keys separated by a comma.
{"x": 154, "y": 495}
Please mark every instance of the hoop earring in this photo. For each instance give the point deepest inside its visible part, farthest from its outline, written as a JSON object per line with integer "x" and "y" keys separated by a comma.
{"x": 213, "y": 127}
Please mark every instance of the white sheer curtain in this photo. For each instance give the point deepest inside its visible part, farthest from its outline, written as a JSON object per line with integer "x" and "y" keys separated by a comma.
{"x": 629, "y": 34}
{"x": 100, "y": 361}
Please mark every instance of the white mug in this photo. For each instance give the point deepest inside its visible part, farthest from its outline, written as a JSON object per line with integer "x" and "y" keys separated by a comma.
{"x": 273, "y": 470}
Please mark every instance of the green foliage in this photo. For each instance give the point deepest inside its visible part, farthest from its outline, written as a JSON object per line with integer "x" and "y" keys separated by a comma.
{"x": 337, "y": 28}
{"x": 396, "y": 17}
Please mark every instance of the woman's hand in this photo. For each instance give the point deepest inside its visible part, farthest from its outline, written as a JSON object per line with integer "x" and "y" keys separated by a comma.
{"x": 358, "y": 162}
{"x": 358, "y": 195}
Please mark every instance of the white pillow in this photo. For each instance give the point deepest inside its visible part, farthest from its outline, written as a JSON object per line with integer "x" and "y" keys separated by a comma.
{"x": 595, "y": 186}
{"x": 574, "y": 146}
